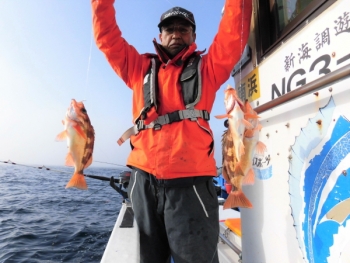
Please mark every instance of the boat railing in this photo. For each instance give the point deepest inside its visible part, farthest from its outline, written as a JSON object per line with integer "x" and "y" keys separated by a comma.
{"x": 230, "y": 244}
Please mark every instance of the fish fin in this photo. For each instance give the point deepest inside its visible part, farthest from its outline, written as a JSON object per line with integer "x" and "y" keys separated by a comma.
{"x": 61, "y": 136}
{"x": 237, "y": 199}
{"x": 222, "y": 116}
{"x": 259, "y": 127}
{"x": 247, "y": 124}
{"x": 241, "y": 149}
{"x": 260, "y": 147}
{"x": 251, "y": 116}
{"x": 63, "y": 122}
{"x": 80, "y": 131}
{"x": 224, "y": 174}
{"x": 249, "y": 133}
{"x": 89, "y": 162}
{"x": 77, "y": 181}
{"x": 238, "y": 169}
{"x": 69, "y": 160}
{"x": 249, "y": 178}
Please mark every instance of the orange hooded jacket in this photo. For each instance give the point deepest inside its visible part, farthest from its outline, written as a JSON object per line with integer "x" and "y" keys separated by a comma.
{"x": 179, "y": 149}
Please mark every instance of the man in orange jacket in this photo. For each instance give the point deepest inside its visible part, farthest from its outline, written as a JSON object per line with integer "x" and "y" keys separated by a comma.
{"x": 171, "y": 190}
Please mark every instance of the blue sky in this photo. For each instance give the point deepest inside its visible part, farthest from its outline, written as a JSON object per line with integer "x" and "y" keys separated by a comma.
{"x": 47, "y": 57}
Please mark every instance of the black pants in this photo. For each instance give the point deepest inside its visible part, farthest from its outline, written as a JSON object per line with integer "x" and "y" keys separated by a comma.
{"x": 177, "y": 218}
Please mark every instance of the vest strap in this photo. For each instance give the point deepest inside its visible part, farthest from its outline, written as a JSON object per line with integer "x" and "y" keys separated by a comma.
{"x": 191, "y": 114}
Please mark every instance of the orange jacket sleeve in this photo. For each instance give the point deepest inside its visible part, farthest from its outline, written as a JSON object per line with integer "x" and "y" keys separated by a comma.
{"x": 124, "y": 58}
{"x": 229, "y": 42}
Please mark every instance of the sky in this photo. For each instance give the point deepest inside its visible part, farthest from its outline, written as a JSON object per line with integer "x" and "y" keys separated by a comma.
{"x": 48, "y": 57}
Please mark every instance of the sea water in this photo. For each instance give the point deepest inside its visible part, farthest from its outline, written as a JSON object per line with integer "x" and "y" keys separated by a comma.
{"x": 41, "y": 221}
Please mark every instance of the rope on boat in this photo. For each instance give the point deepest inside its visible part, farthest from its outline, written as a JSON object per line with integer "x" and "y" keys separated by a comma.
{"x": 39, "y": 167}
{"x": 101, "y": 178}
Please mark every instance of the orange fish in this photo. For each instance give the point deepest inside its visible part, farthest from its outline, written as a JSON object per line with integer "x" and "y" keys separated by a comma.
{"x": 236, "y": 198}
{"x": 251, "y": 115}
{"x": 80, "y": 137}
{"x": 236, "y": 119}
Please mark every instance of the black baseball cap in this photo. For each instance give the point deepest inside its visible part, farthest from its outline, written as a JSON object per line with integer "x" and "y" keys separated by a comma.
{"x": 178, "y": 12}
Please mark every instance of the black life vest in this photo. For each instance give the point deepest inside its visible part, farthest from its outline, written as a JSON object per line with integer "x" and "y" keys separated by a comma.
{"x": 191, "y": 83}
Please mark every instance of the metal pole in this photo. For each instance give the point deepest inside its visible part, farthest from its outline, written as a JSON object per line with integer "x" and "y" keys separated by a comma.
{"x": 232, "y": 246}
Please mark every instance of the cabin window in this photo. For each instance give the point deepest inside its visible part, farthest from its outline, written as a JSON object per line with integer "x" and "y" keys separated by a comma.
{"x": 278, "y": 19}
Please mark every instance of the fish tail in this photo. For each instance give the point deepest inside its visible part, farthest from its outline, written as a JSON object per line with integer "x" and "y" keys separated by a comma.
{"x": 249, "y": 178}
{"x": 77, "y": 181}
{"x": 237, "y": 199}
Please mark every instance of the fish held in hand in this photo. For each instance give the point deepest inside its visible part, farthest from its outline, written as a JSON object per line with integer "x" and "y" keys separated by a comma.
{"x": 80, "y": 137}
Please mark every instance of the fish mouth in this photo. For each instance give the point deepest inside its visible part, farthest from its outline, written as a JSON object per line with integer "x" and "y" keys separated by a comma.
{"x": 75, "y": 110}
{"x": 71, "y": 113}
{"x": 232, "y": 105}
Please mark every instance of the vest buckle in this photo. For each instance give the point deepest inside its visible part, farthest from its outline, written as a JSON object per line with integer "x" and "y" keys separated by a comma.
{"x": 157, "y": 127}
{"x": 141, "y": 125}
{"x": 193, "y": 115}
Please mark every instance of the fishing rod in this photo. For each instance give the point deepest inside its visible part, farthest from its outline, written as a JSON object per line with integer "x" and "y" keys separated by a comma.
{"x": 111, "y": 163}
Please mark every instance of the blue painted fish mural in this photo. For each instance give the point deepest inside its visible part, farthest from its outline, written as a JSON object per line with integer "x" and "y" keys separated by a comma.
{"x": 319, "y": 184}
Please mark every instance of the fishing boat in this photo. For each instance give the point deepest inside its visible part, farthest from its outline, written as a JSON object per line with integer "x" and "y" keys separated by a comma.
{"x": 295, "y": 73}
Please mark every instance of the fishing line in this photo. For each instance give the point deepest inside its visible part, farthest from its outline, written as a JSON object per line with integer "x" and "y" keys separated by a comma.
{"x": 169, "y": 3}
{"x": 240, "y": 60}
{"x": 38, "y": 167}
{"x": 111, "y": 163}
{"x": 66, "y": 172}
{"x": 89, "y": 63}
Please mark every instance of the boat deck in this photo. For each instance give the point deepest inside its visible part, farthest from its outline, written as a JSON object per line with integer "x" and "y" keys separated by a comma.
{"x": 123, "y": 245}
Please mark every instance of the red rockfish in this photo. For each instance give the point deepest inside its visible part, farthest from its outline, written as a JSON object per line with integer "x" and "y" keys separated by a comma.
{"x": 236, "y": 120}
{"x": 251, "y": 145}
{"x": 80, "y": 137}
{"x": 239, "y": 143}
{"x": 236, "y": 197}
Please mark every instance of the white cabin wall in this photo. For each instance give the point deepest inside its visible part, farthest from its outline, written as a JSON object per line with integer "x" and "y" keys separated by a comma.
{"x": 268, "y": 231}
